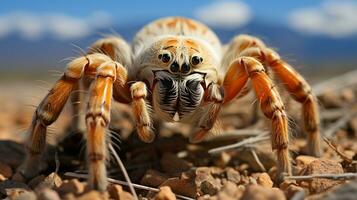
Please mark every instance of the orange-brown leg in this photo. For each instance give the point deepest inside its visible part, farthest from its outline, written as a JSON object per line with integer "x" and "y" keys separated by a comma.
{"x": 46, "y": 113}
{"x": 301, "y": 92}
{"x": 98, "y": 118}
{"x": 141, "y": 111}
{"x": 245, "y": 45}
{"x": 271, "y": 104}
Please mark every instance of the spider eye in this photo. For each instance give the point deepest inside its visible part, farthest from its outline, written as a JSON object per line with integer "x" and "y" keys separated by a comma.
{"x": 195, "y": 60}
{"x": 165, "y": 57}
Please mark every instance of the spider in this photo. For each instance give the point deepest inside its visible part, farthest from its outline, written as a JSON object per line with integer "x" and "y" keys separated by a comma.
{"x": 176, "y": 70}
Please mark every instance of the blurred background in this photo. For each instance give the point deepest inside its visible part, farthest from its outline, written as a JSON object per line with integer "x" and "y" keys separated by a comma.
{"x": 318, "y": 37}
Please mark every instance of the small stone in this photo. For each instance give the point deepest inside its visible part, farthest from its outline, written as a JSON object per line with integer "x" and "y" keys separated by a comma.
{"x": 153, "y": 178}
{"x": 303, "y": 161}
{"x": 184, "y": 185}
{"x": 171, "y": 164}
{"x": 165, "y": 193}
{"x": 92, "y": 195}
{"x": 264, "y": 180}
{"x": 291, "y": 190}
{"x": 35, "y": 181}
{"x": 206, "y": 183}
{"x": 233, "y": 175}
{"x": 322, "y": 166}
{"x": 257, "y": 192}
{"x": 230, "y": 189}
{"x": 2, "y": 178}
{"x": 25, "y": 195}
{"x": 48, "y": 194}
{"x": 5, "y": 170}
{"x": 71, "y": 186}
{"x": 116, "y": 192}
{"x": 51, "y": 181}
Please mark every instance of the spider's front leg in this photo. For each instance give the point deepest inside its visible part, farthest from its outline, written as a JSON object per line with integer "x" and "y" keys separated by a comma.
{"x": 98, "y": 118}
{"x": 244, "y": 68}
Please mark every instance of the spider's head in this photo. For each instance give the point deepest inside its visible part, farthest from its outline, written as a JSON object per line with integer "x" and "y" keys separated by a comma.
{"x": 178, "y": 69}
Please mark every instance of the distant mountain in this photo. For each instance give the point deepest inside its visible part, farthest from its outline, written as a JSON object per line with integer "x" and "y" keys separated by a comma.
{"x": 17, "y": 53}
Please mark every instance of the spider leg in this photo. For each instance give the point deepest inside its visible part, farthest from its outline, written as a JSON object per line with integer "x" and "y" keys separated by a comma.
{"x": 46, "y": 113}
{"x": 208, "y": 114}
{"x": 301, "y": 91}
{"x": 244, "y": 68}
{"x": 98, "y": 118}
{"x": 141, "y": 111}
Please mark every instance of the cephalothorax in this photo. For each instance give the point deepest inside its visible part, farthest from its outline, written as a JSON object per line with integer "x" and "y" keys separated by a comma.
{"x": 178, "y": 68}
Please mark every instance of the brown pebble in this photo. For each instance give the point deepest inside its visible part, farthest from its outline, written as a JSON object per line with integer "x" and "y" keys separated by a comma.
{"x": 184, "y": 185}
{"x": 264, "y": 180}
{"x": 71, "y": 186}
{"x": 322, "y": 166}
{"x": 233, "y": 175}
{"x": 153, "y": 178}
{"x": 257, "y": 192}
{"x": 52, "y": 181}
{"x": 116, "y": 192}
{"x": 165, "y": 193}
{"x": 25, "y": 195}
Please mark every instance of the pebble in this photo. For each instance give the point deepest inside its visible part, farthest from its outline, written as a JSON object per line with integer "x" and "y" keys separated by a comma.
{"x": 153, "y": 178}
{"x": 264, "y": 180}
{"x": 258, "y": 192}
{"x": 71, "y": 186}
{"x": 116, "y": 192}
{"x": 322, "y": 166}
{"x": 165, "y": 193}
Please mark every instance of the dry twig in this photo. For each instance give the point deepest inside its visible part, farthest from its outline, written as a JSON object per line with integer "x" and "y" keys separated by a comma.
{"x": 242, "y": 143}
{"x": 341, "y": 154}
{"x": 125, "y": 173}
{"x": 257, "y": 160}
{"x": 138, "y": 186}
{"x": 343, "y": 176}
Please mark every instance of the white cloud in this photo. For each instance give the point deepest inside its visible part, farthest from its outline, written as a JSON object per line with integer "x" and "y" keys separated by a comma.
{"x": 225, "y": 14}
{"x": 333, "y": 18}
{"x": 34, "y": 26}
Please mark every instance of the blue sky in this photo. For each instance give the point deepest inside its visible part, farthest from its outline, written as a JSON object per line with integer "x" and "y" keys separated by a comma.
{"x": 78, "y": 18}
{"x": 274, "y": 11}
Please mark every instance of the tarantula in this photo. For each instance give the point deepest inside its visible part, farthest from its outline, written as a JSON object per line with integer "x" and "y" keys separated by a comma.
{"x": 177, "y": 70}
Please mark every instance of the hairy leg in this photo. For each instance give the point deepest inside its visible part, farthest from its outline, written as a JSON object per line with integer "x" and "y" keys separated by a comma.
{"x": 98, "y": 118}
{"x": 271, "y": 104}
{"x": 141, "y": 111}
{"x": 299, "y": 89}
{"x": 46, "y": 113}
